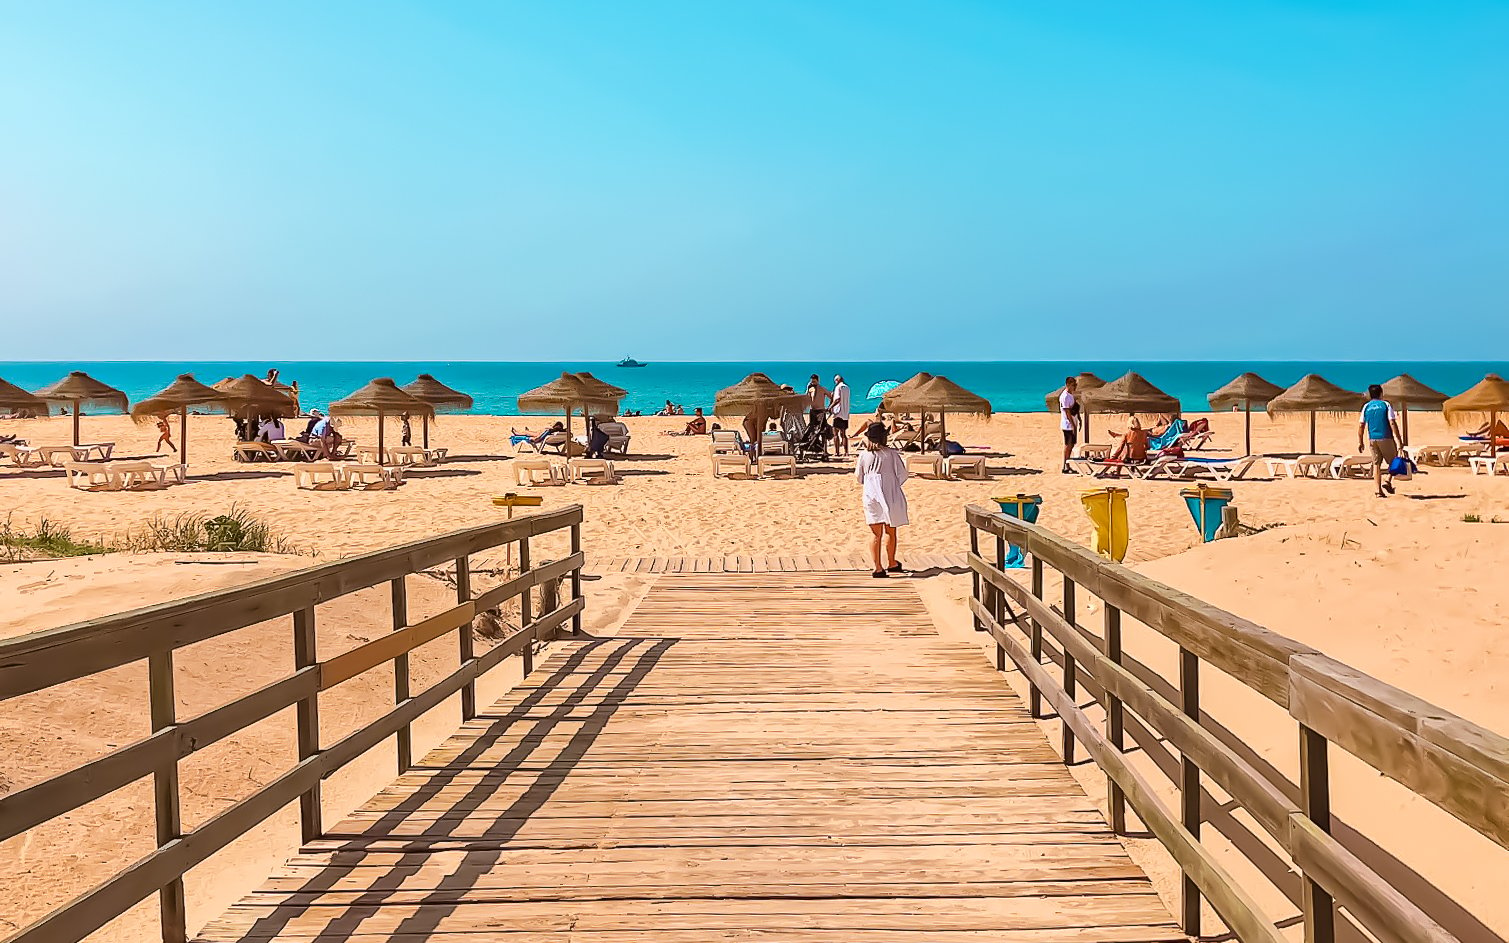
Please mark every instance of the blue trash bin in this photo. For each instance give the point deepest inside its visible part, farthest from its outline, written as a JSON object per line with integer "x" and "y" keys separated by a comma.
{"x": 1023, "y": 507}
{"x": 1205, "y": 504}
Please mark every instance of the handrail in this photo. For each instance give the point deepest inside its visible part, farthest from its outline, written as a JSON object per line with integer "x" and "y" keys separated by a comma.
{"x": 45, "y": 659}
{"x": 1459, "y": 766}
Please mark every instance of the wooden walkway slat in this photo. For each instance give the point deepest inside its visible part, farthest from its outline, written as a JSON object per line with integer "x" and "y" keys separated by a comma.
{"x": 756, "y": 756}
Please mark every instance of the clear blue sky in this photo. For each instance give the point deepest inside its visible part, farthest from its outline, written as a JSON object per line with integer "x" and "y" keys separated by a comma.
{"x": 724, "y": 180}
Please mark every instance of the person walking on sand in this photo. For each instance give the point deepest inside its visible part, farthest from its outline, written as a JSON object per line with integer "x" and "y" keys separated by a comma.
{"x": 881, "y": 470}
{"x": 164, "y": 435}
{"x": 1068, "y": 411}
{"x": 839, "y": 410}
{"x": 1380, "y": 426}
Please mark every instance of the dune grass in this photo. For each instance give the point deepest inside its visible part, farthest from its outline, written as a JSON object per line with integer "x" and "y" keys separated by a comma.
{"x": 237, "y": 530}
{"x": 46, "y": 540}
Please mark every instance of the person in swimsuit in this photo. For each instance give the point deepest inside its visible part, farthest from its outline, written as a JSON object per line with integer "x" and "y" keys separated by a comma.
{"x": 164, "y": 435}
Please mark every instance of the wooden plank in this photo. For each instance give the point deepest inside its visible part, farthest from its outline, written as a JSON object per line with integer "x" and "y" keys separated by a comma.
{"x": 43, "y": 659}
{"x": 365, "y": 657}
{"x": 536, "y": 576}
{"x": 1322, "y": 693}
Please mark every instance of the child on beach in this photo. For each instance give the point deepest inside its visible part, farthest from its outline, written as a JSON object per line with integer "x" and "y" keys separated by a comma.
{"x": 164, "y": 435}
{"x": 881, "y": 470}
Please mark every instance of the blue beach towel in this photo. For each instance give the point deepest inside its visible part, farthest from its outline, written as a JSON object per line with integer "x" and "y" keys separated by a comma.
{"x": 1169, "y": 436}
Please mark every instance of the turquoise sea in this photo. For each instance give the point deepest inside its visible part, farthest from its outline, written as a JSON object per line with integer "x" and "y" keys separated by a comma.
{"x": 1011, "y": 386}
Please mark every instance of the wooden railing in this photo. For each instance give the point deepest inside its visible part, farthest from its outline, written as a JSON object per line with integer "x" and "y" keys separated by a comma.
{"x": 46, "y": 659}
{"x": 1457, "y": 765}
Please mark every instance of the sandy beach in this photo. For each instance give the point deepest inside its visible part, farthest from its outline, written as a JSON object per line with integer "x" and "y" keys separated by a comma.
{"x": 1401, "y": 587}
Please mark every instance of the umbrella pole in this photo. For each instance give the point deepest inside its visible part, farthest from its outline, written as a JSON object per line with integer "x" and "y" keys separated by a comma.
{"x": 183, "y": 435}
{"x": 1312, "y": 432}
{"x": 1405, "y": 406}
{"x": 1247, "y": 424}
{"x": 425, "y": 420}
{"x": 379, "y": 437}
{"x": 76, "y": 406}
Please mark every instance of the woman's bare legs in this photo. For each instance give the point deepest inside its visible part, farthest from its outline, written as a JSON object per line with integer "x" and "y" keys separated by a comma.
{"x": 878, "y": 531}
{"x": 890, "y": 546}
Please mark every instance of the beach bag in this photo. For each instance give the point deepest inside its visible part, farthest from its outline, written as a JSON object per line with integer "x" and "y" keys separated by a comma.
{"x": 1401, "y": 468}
{"x": 952, "y": 448}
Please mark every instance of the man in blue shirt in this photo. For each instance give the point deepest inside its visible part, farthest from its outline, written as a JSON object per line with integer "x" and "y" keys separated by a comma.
{"x": 1380, "y": 427}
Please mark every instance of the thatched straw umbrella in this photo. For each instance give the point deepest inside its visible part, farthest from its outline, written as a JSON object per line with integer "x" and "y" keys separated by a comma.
{"x": 1407, "y": 393}
{"x": 1314, "y": 394}
{"x": 80, "y": 389}
{"x": 602, "y": 386}
{"x": 1130, "y": 393}
{"x": 248, "y": 397}
{"x": 1244, "y": 391}
{"x": 759, "y": 396}
{"x": 568, "y": 392}
{"x": 381, "y": 398}
{"x": 438, "y": 395}
{"x": 177, "y": 397}
{"x": 942, "y": 396}
{"x": 1084, "y": 383}
{"x": 12, "y": 397}
{"x": 1489, "y": 395}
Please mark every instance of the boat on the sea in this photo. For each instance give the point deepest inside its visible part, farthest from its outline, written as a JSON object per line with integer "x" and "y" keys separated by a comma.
{"x": 631, "y": 362}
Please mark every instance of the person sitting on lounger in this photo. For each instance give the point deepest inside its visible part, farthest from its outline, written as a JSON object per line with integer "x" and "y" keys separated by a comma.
{"x": 270, "y": 429}
{"x": 697, "y": 425}
{"x": 322, "y": 435}
{"x": 1131, "y": 447}
{"x": 1500, "y": 431}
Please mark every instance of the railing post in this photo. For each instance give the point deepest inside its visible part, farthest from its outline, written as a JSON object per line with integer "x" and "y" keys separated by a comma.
{"x": 401, "y": 675}
{"x": 1116, "y": 799}
{"x": 466, "y": 653}
{"x": 576, "y": 578}
{"x": 1315, "y": 799}
{"x": 164, "y": 713}
{"x": 974, "y": 578}
{"x": 1034, "y": 696}
{"x": 305, "y": 654}
{"x": 1070, "y": 686}
{"x": 526, "y": 609}
{"x": 999, "y": 597}
{"x": 1189, "y": 785}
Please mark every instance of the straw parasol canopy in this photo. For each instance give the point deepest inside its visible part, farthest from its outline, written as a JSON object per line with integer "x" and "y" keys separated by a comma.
{"x": 1084, "y": 382}
{"x": 381, "y": 398}
{"x": 904, "y": 387}
{"x": 569, "y": 392}
{"x": 1489, "y": 396}
{"x": 1129, "y": 393}
{"x": 12, "y": 397}
{"x": 177, "y": 397}
{"x": 1244, "y": 391}
{"x": 1407, "y": 393}
{"x": 438, "y": 395}
{"x": 80, "y": 390}
{"x": 759, "y": 396}
{"x": 1314, "y": 394}
{"x": 248, "y": 397}
{"x": 942, "y": 396}
{"x": 604, "y": 387}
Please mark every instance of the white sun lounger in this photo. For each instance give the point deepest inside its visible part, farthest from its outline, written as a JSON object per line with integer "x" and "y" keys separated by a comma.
{"x": 778, "y": 465}
{"x": 1353, "y": 466}
{"x": 725, "y": 463}
{"x": 965, "y": 466}
{"x": 1483, "y": 465}
{"x": 1221, "y": 469}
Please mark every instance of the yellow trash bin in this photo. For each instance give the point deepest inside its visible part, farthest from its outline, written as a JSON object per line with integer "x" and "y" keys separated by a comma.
{"x": 1107, "y": 508}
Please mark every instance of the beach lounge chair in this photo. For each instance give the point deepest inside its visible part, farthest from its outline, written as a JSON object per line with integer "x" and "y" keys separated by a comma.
{"x": 965, "y": 466}
{"x": 1094, "y": 451}
{"x": 1464, "y": 454}
{"x": 173, "y": 473}
{"x": 618, "y": 437}
{"x": 1221, "y": 469}
{"x": 294, "y": 450}
{"x": 580, "y": 469}
{"x": 1428, "y": 454}
{"x": 1485, "y": 465}
{"x": 726, "y": 441}
{"x": 138, "y": 476}
{"x": 770, "y": 464}
{"x": 308, "y": 475}
{"x": 371, "y": 476}
{"x": 774, "y": 443}
{"x": 527, "y": 471}
{"x": 56, "y": 455}
{"x": 21, "y": 455}
{"x": 254, "y": 451}
{"x": 1300, "y": 466}
{"x": 926, "y": 464}
{"x": 90, "y": 476}
{"x": 1353, "y": 466}
{"x": 725, "y": 463}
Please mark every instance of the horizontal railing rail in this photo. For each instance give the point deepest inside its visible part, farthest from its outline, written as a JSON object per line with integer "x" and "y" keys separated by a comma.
{"x": 1453, "y": 763}
{"x": 46, "y": 659}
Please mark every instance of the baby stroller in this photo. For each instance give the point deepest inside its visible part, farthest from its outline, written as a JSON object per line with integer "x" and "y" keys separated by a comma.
{"x": 809, "y": 442}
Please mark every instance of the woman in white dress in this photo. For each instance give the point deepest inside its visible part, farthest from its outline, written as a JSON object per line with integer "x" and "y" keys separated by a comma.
{"x": 881, "y": 470}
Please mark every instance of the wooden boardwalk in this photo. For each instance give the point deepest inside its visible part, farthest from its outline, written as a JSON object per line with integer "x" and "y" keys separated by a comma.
{"x": 791, "y": 563}
{"x": 754, "y": 757}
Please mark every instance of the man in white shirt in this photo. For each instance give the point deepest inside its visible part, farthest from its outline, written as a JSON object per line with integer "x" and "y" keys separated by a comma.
{"x": 1068, "y": 411}
{"x": 839, "y": 410}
